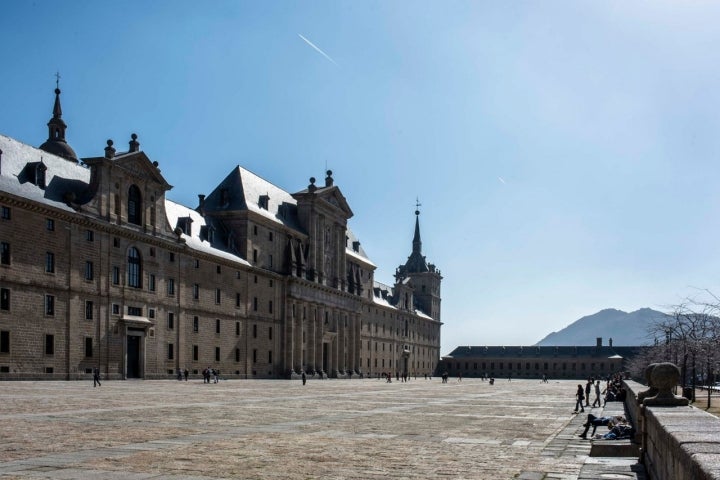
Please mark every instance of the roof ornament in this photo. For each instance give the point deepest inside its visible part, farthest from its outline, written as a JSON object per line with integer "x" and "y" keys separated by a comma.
{"x": 134, "y": 144}
{"x": 109, "y": 150}
{"x": 312, "y": 187}
{"x": 329, "y": 179}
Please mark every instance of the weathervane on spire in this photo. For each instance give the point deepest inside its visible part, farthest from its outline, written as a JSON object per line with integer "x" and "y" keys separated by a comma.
{"x": 57, "y": 79}
{"x": 417, "y": 206}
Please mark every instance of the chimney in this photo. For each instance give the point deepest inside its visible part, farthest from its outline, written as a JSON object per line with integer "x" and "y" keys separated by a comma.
{"x": 134, "y": 144}
{"x": 599, "y": 342}
{"x": 201, "y": 202}
{"x": 109, "y": 150}
{"x": 610, "y": 341}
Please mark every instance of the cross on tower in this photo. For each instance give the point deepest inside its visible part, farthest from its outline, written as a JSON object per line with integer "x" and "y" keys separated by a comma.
{"x": 57, "y": 79}
{"x": 417, "y": 206}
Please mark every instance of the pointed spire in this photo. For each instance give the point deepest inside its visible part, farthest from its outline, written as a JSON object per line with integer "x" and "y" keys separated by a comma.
{"x": 56, "y": 143}
{"x": 417, "y": 243}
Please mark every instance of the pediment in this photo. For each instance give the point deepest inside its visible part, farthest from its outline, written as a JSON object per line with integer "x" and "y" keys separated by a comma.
{"x": 334, "y": 197}
{"x": 139, "y": 165}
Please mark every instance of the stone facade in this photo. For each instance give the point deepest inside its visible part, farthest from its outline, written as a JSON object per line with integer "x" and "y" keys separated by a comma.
{"x": 579, "y": 362}
{"x": 99, "y": 268}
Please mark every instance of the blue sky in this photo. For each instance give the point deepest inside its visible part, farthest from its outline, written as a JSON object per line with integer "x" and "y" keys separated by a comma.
{"x": 565, "y": 153}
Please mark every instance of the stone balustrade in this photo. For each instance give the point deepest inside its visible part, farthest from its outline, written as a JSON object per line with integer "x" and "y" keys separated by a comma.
{"x": 679, "y": 442}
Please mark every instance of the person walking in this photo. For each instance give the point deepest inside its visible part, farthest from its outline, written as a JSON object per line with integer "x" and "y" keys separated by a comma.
{"x": 96, "y": 377}
{"x": 588, "y": 389}
{"x": 304, "y": 377}
{"x": 597, "y": 394}
{"x": 579, "y": 399}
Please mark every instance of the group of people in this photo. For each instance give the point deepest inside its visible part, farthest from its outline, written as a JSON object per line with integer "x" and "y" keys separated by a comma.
{"x": 617, "y": 425}
{"x": 210, "y": 374}
{"x": 613, "y": 392}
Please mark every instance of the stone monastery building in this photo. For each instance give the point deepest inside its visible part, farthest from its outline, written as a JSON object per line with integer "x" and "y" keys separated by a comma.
{"x": 99, "y": 268}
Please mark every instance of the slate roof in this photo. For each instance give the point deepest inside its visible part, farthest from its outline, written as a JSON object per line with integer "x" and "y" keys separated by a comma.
{"x": 61, "y": 176}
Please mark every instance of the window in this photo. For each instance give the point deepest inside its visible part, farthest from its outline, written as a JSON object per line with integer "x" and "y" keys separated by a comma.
{"x": 197, "y": 263}
{"x": 255, "y": 230}
{"x": 270, "y": 306}
{"x": 270, "y": 333}
{"x": 270, "y": 236}
{"x": 89, "y": 235}
{"x": 5, "y": 213}
{"x": 5, "y": 253}
{"x": 89, "y": 270}
{"x": 49, "y": 344}
{"x": 196, "y": 353}
{"x": 237, "y": 354}
{"x": 170, "y": 287}
{"x": 4, "y": 341}
{"x": 217, "y": 295}
{"x": 116, "y": 242}
{"x": 254, "y": 355}
{"x": 89, "y": 307}
{"x": 270, "y": 356}
{"x": 171, "y": 320}
{"x": 237, "y": 299}
{"x": 135, "y": 311}
{"x": 4, "y": 299}
{"x": 196, "y": 324}
{"x": 255, "y": 254}
{"x": 49, "y": 305}
{"x": 116, "y": 275}
{"x": 254, "y": 331}
{"x": 50, "y": 225}
{"x": 218, "y": 269}
{"x": 217, "y": 325}
{"x": 217, "y": 354}
{"x": 270, "y": 262}
{"x": 134, "y": 205}
{"x": 152, "y": 251}
{"x": 171, "y": 256}
{"x": 151, "y": 312}
{"x": 171, "y": 351}
{"x": 255, "y": 303}
{"x": 151, "y": 282}
{"x": 196, "y": 291}
{"x": 237, "y": 328}
{"x": 115, "y": 309}
{"x": 88, "y": 347}
{"x": 50, "y": 262}
{"x": 134, "y": 268}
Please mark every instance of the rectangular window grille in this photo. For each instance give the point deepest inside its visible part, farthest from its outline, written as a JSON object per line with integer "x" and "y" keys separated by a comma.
{"x": 151, "y": 282}
{"x": 5, "y": 213}
{"x": 116, "y": 275}
{"x": 49, "y": 305}
{"x": 170, "y": 287}
{"x": 49, "y": 262}
{"x": 50, "y": 224}
{"x": 196, "y": 291}
{"x": 217, "y": 295}
{"x": 4, "y": 299}
{"x": 196, "y": 324}
{"x": 89, "y": 270}
{"x": 4, "y": 253}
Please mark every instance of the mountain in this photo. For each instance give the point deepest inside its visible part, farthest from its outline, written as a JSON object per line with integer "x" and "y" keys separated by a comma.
{"x": 625, "y": 329}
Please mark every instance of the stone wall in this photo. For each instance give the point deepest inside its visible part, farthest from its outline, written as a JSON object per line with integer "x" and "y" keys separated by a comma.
{"x": 678, "y": 442}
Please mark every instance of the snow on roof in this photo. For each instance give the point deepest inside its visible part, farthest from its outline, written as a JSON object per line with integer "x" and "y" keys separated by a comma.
{"x": 175, "y": 211}
{"x": 61, "y": 175}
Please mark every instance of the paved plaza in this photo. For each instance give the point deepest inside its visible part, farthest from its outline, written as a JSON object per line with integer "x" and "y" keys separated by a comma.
{"x": 265, "y": 429}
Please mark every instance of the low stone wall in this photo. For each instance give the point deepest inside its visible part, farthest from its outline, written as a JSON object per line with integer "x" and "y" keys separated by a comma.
{"x": 678, "y": 442}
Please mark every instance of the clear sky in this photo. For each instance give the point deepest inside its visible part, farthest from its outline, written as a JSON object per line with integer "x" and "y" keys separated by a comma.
{"x": 565, "y": 153}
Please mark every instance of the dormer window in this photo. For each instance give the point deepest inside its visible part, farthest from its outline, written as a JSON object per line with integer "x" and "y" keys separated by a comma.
{"x": 40, "y": 170}
{"x": 185, "y": 224}
{"x": 356, "y": 246}
{"x": 264, "y": 201}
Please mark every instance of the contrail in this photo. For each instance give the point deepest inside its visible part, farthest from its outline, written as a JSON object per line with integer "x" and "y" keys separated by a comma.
{"x": 318, "y": 49}
{"x": 502, "y": 180}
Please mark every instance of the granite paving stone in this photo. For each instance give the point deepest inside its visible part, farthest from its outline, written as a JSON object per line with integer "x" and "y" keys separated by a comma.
{"x": 270, "y": 429}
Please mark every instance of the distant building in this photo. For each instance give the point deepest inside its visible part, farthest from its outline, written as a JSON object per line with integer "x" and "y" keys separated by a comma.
{"x": 533, "y": 362}
{"x": 99, "y": 268}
